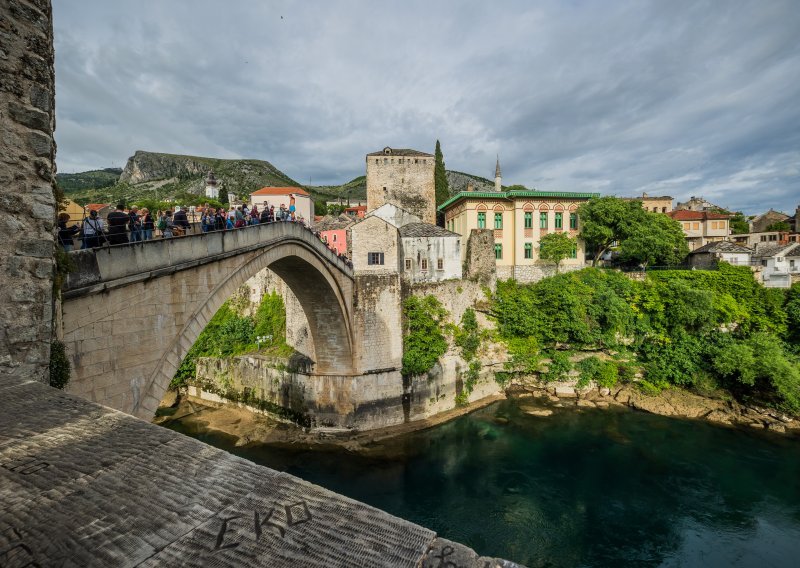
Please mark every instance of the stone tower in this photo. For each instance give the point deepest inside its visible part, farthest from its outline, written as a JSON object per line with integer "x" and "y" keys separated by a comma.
{"x": 403, "y": 178}
{"x": 497, "y": 177}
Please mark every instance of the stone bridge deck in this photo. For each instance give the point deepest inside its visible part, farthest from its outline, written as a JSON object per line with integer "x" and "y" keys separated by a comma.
{"x": 119, "y": 265}
{"x": 84, "y": 485}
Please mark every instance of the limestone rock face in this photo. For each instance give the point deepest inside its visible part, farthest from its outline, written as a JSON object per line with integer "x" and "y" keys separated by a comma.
{"x": 237, "y": 176}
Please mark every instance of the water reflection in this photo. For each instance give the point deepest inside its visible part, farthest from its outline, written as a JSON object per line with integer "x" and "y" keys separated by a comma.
{"x": 589, "y": 488}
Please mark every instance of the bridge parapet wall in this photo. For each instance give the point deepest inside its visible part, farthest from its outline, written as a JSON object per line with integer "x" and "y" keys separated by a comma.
{"x": 139, "y": 260}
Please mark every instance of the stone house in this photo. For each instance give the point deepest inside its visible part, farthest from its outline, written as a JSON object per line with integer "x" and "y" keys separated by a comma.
{"x": 519, "y": 219}
{"x": 390, "y": 240}
{"x": 708, "y": 255}
{"x": 655, "y": 204}
{"x": 767, "y": 237}
{"x": 759, "y": 223}
{"x": 702, "y": 227}
{"x": 780, "y": 264}
{"x": 277, "y": 196}
{"x": 697, "y": 204}
{"x": 404, "y": 177}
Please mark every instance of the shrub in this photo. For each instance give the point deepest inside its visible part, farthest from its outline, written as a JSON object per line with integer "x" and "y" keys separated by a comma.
{"x": 558, "y": 368}
{"x": 60, "y": 368}
{"x": 423, "y": 343}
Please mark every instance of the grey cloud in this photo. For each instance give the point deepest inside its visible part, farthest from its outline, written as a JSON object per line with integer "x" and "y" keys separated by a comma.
{"x": 686, "y": 97}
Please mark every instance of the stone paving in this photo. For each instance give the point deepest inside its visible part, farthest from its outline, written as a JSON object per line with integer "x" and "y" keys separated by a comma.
{"x": 85, "y": 485}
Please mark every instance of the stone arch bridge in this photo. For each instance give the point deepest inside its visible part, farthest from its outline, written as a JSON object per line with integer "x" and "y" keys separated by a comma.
{"x": 132, "y": 312}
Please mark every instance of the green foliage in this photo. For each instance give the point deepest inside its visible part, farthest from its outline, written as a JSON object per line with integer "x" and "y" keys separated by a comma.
{"x": 555, "y": 247}
{"x": 695, "y": 329}
{"x": 228, "y": 334}
{"x": 558, "y": 367}
{"x": 440, "y": 177}
{"x": 64, "y": 265}
{"x": 655, "y": 239}
{"x": 604, "y": 373}
{"x": 60, "y": 369}
{"x": 792, "y": 309}
{"x": 468, "y": 337}
{"x": 423, "y": 342}
{"x": 739, "y": 224}
{"x": 778, "y": 226}
{"x": 516, "y": 187}
{"x": 320, "y": 208}
{"x": 71, "y": 183}
{"x": 605, "y": 220}
{"x": 524, "y": 354}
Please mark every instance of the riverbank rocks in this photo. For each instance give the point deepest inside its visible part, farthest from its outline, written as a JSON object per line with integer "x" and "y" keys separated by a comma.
{"x": 670, "y": 402}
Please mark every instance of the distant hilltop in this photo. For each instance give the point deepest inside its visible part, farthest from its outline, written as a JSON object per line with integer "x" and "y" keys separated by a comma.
{"x": 155, "y": 175}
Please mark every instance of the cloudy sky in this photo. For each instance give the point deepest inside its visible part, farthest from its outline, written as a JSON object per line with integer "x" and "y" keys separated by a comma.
{"x": 669, "y": 97}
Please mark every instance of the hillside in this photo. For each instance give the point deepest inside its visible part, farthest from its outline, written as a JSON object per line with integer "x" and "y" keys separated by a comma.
{"x": 457, "y": 181}
{"x": 152, "y": 175}
{"x": 355, "y": 189}
{"x": 88, "y": 180}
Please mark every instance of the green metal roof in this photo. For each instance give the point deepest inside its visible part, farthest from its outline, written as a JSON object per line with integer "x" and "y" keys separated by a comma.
{"x": 515, "y": 193}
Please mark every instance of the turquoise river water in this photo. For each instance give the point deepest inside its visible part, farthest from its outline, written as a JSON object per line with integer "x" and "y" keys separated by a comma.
{"x": 588, "y": 488}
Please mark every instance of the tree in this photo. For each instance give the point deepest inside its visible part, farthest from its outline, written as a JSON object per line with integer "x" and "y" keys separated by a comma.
{"x": 605, "y": 220}
{"x": 739, "y": 224}
{"x": 779, "y": 226}
{"x": 555, "y": 247}
{"x": 654, "y": 239}
{"x": 440, "y": 177}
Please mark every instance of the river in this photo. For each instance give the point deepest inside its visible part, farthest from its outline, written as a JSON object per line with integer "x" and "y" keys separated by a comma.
{"x": 578, "y": 488}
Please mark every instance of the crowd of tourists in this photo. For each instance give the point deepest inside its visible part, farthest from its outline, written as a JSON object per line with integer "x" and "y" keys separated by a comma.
{"x": 138, "y": 225}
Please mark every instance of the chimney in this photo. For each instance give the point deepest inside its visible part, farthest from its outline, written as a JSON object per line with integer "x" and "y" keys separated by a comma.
{"x": 470, "y": 187}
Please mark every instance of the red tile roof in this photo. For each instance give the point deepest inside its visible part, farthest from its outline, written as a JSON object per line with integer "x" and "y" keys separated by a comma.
{"x": 357, "y": 208}
{"x": 95, "y": 206}
{"x": 280, "y": 191}
{"x": 685, "y": 215}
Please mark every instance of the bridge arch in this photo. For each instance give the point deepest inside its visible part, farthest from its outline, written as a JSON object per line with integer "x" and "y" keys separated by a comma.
{"x": 127, "y": 328}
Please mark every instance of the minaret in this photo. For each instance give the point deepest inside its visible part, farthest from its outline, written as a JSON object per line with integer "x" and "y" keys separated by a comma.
{"x": 212, "y": 191}
{"x": 497, "y": 177}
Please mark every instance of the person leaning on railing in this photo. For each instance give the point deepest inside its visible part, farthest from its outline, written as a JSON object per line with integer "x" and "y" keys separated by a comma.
{"x": 66, "y": 234}
{"x": 92, "y": 231}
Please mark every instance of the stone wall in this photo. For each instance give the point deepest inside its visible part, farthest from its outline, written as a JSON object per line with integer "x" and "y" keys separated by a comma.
{"x": 374, "y": 235}
{"x": 27, "y": 164}
{"x": 378, "y": 321}
{"x": 533, "y": 272}
{"x": 479, "y": 263}
{"x": 363, "y": 402}
{"x": 406, "y": 181}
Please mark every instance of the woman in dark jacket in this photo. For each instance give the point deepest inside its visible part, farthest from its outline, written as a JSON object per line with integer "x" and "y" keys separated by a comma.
{"x": 65, "y": 234}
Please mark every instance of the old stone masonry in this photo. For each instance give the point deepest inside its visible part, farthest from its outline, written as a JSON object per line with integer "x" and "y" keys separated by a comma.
{"x": 84, "y": 485}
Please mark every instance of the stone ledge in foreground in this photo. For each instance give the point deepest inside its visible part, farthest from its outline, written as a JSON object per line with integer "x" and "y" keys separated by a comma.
{"x": 85, "y": 485}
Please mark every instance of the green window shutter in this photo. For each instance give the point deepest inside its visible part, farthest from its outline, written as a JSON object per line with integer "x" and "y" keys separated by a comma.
{"x": 573, "y": 220}
{"x": 481, "y": 220}
{"x": 528, "y": 220}
{"x": 528, "y": 250}
{"x": 498, "y": 220}
{"x": 559, "y": 220}
{"x": 498, "y": 251}
{"x": 543, "y": 220}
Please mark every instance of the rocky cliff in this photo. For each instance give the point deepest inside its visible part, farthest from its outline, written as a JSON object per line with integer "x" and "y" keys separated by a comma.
{"x": 236, "y": 175}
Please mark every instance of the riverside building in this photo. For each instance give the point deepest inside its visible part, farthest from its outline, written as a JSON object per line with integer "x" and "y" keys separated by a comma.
{"x": 518, "y": 220}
